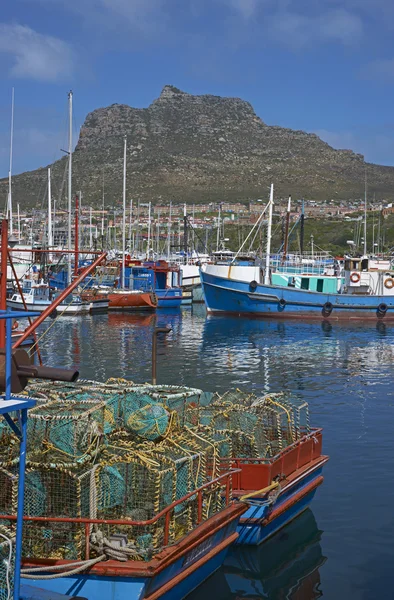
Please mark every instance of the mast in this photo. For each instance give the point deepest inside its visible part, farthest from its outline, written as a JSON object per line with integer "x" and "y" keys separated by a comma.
{"x": 9, "y": 203}
{"x": 286, "y": 240}
{"x": 70, "y": 142}
{"x": 90, "y": 228}
{"x": 218, "y": 229}
{"x": 148, "y": 246}
{"x": 184, "y": 235}
{"x": 131, "y": 226}
{"x": 302, "y": 220}
{"x": 158, "y": 234}
{"x": 50, "y": 235}
{"x": 169, "y": 232}
{"x": 76, "y": 236}
{"x": 124, "y": 212}
{"x": 102, "y": 216}
{"x": 268, "y": 251}
{"x": 19, "y": 225}
{"x": 365, "y": 213}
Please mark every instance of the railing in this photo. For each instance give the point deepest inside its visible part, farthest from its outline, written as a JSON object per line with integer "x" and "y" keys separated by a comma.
{"x": 221, "y": 485}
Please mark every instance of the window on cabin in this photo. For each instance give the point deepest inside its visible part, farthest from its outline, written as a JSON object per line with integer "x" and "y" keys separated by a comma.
{"x": 304, "y": 283}
{"x": 319, "y": 285}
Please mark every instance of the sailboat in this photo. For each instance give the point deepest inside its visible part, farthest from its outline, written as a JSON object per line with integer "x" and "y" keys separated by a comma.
{"x": 124, "y": 298}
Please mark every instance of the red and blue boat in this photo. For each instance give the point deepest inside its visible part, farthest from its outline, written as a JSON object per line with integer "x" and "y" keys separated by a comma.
{"x": 160, "y": 278}
{"x": 278, "y": 489}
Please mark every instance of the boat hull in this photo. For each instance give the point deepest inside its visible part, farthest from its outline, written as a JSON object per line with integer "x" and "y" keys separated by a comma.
{"x": 33, "y": 306}
{"x": 260, "y": 522}
{"x": 223, "y": 295}
{"x": 172, "y": 576}
{"x": 169, "y": 298}
{"x": 132, "y": 301}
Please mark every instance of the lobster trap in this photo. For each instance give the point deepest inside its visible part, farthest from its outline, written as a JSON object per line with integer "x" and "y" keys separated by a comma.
{"x": 7, "y": 562}
{"x": 75, "y": 427}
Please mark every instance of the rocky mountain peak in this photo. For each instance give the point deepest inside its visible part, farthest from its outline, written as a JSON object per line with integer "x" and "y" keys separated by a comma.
{"x": 201, "y": 148}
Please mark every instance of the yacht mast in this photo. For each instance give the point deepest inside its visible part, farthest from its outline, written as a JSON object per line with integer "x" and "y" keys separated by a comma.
{"x": 124, "y": 212}
{"x": 70, "y": 142}
{"x": 365, "y": 213}
{"x": 9, "y": 203}
{"x": 50, "y": 231}
{"x": 268, "y": 252}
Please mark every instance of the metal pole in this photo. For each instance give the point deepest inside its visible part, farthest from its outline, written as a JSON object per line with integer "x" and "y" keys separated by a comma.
{"x": 9, "y": 208}
{"x": 268, "y": 251}
{"x": 286, "y": 240}
{"x": 70, "y": 141}
{"x": 21, "y": 498}
{"x": 76, "y": 236}
{"x": 156, "y": 331}
{"x": 50, "y": 233}
{"x": 365, "y": 213}
{"x": 124, "y": 212}
{"x": 185, "y": 241}
{"x": 3, "y": 283}
{"x": 302, "y": 224}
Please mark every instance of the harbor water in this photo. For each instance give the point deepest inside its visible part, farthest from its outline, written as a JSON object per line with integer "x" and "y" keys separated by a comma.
{"x": 343, "y": 547}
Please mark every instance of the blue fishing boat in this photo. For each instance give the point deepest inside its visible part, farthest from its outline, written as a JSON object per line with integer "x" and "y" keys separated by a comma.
{"x": 159, "y": 277}
{"x": 366, "y": 293}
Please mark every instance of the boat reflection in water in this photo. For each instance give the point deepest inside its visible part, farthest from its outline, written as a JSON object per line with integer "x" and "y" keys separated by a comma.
{"x": 285, "y": 567}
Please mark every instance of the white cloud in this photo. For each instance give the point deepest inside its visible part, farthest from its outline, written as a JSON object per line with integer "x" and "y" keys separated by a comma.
{"x": 246, "y": 8}
{"x": 300, "y": 30}
{"x": 34, "y": 55}
{"x": 382, "y": 69}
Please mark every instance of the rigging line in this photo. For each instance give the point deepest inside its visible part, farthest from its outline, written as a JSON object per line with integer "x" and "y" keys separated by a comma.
{"x": 55, "y": 319}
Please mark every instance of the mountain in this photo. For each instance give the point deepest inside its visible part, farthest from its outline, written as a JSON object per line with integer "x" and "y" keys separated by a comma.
{"x": 200, "y": 148}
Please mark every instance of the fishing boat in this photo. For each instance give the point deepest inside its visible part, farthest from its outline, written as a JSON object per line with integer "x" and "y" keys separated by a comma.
{"x": 97, "y": 298}
{"x": 366, "y": 291}
{"x": 147, "y": 521}
{"x": 132, "y": 300}
{"x": 73, "y": 305}
{"x": 367, "y": 294}
{"x": 36, "y": 296}
{"x": 158, "y": 277}
{"x": 278, "y": 458}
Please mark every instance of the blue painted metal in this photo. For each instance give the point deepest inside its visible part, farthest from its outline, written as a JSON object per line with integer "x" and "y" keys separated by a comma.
{"x": 8, "y": 404}
{"x": 134, "y": 588}
{"x": 30, "y": 592}
{"x": 144, "y": 278}
{"x": 254, "y": 534}
{"x": 257, "y": 532}
{"x": 232, "y": 296}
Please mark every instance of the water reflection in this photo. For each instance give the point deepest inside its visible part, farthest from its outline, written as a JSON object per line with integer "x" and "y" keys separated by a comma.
{"x": 285, "y": 567}
{"x": 345, "y": 372}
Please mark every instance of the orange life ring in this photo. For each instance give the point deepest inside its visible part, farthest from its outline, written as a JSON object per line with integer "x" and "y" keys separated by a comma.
{"x": 355, "y": 277}
{"x": 389, "y": 283}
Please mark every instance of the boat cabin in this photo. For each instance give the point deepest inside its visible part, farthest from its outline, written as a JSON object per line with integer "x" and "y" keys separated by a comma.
{"x": 365, "y": 275}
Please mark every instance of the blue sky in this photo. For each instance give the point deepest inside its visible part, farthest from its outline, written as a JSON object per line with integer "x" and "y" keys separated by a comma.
{"x": 324, "y": 66}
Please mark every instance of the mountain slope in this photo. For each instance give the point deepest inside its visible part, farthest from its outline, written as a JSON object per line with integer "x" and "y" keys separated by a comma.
{"x": 200, "y": 148}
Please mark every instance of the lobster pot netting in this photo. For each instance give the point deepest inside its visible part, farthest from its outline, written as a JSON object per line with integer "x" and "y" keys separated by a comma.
{"x": 242, "y": 427}
{"x": 235, "y": 397}
{"x": 56, "y": 491}
{"x": 136, "y": 487}
{"x": 174, "y": 398}
{"x": 139, "y": 414}
{"x": 74, "y": 427}
{"x": 7, "y": 563}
